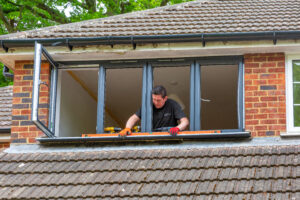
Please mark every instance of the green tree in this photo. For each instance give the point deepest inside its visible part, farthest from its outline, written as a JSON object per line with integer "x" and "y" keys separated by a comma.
{"x": 21, "y": 15}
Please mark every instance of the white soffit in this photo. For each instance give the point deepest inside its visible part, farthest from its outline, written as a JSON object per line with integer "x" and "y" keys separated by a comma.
{"x": 149, "y": 51}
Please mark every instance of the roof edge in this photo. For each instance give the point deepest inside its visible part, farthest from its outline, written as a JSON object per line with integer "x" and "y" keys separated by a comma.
{"x": 112, "y": 40}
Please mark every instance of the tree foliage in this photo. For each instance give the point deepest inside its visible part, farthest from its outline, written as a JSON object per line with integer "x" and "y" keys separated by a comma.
{"x": 20, "y": 15}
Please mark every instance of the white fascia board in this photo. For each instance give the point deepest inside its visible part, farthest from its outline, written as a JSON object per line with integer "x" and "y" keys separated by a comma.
{"x": 4, "y": 138}
{"x": 152, "y": 51}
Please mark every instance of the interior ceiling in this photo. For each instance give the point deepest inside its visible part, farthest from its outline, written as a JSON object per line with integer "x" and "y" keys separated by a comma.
{"x": 124, "y": 86}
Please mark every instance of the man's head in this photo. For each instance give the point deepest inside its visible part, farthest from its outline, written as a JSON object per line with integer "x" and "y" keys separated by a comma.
{"x": 159, "y": 96}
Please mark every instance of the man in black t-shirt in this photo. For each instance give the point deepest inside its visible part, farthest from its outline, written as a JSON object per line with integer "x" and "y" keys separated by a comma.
{"x": 166, "y": 113}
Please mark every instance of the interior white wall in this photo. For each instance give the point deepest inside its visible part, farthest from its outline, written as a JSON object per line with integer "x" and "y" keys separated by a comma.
{"x": 78, "y": 110}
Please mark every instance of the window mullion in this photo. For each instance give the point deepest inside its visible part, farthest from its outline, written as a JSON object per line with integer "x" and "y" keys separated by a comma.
{"x": 240, "y": 96}
{"x": 101, "y": 100}
{"x": 195, "y": 97}
{"x": 146, "y": 115}
{"x": 53, "y": 92}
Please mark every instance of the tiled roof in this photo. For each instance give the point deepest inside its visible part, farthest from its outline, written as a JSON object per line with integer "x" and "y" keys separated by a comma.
{"x": 261, "y": 172}
{"x": 6, "y": 94}
{"x": 202, "y": 16}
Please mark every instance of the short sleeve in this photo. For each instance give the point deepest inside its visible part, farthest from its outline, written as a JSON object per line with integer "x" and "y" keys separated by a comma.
{"x": 178, "y": 112}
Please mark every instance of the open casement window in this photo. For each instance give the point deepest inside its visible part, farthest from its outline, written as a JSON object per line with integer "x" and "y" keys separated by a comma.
{"x": 39, "y": 51}
{"x": 293, "y": 94}
{"x": 96, "y": 96}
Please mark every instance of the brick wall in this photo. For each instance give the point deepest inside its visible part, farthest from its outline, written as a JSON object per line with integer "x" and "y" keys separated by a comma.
{"x": 4, "y": 145}
{"x": 265, "y": 111}
{"x": 23, "y": 130}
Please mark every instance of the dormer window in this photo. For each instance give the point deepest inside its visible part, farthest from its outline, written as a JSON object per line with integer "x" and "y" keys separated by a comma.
{"x": 92, "y": 96}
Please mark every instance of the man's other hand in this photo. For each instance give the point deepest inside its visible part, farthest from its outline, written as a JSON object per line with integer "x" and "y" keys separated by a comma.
{"x": 125, "y": 131}
{"x": 173, "y": 131}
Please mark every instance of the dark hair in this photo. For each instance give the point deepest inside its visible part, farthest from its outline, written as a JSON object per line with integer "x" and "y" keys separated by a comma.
{"x": 160, "y": 90}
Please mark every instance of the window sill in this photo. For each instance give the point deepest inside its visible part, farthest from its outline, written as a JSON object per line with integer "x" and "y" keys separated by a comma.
{"x": 154, "y": 137}
{"x": 290, "y": 134}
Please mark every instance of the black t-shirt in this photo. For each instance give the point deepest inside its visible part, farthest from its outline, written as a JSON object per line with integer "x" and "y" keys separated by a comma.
{"x": 166, "y": 116}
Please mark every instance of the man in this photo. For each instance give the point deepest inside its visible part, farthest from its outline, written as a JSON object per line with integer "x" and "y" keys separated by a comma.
{"x": 166, "y": 113}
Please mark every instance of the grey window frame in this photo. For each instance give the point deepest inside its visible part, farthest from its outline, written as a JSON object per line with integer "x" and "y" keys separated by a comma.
{"x": 146, "y": 102}
{"x": 39, "y": 51}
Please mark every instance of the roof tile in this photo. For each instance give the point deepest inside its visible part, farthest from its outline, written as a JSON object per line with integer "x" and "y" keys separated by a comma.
{"x": 207, "y": 172}
{"x": 211, "y": 17}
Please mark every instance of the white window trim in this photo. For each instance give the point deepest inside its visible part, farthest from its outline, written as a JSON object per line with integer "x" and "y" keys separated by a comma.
{"x": 289, "y": 95}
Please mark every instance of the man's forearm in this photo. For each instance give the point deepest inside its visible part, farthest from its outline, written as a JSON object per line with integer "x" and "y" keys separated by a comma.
{"x": 184, "y": 122}
{"x": 132, "y": 121}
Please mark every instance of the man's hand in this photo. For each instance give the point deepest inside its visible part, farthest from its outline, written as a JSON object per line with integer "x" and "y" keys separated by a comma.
{"x": 173, "y": 131}
{"x": 125, "y": 131}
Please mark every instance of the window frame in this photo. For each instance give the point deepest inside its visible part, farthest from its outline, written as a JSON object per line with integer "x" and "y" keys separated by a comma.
{"x": 195, "y": 89}
{"x": 146, "y": 102}
{"x": 290, "y": 94}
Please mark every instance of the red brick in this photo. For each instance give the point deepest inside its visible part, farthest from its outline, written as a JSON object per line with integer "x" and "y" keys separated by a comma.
{"x": 33, "y": 128}
{"x": 251, "y": 99}
{"x": 252, "y": 111}
{"x": 260, "y": 116}
{"x": 249, "y": 93}
{"x": 276, "y": 58}
{"x": 19, "y": 129}
{"x": 259, "y": 59}
{"x": 249, "y": 117}
{"x": 268, "y": 121}
{"x": 26, "y": 112}
{"x": 27, "y": 134}
{"x": 268, "y": 110}
{"x": 280, "y": 64}
{"x": 31, "y": 140}
{"x": 268, "y": 98}
{"x": 260, "y": 70}
{"x": 259, "y": 82}
{"x": 248, "y": 71}
{"x": 267, "y": 76}
{"x": 251, "y": 76}
{"x": 251, "y": 122}
{"x": 261, "y": 133}
{"x": 269, "y": 64}
{"x": 277, "y": 70}
{"x": 259, "y": 93}
{"x": 248, "y": 105}
{"x": 247, "y": 88}
{"x": 259, "y": 105}
{"x": 277, "y": 127}
{"x": 261, "y": 127}
{"x": 248, "y": 82}
{"x": 276, "y": 81}
{"x": 277, "y": 116}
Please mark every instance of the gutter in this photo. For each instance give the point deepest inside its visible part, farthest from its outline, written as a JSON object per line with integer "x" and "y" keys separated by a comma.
{"x": 5, "y": 130}
{"x": 138, "y": 39}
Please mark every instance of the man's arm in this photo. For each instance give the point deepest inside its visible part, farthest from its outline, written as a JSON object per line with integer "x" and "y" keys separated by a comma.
{"x": 132, "y": 121}
{"x": 184, "y": 122}
{"x": 129, "y": 125}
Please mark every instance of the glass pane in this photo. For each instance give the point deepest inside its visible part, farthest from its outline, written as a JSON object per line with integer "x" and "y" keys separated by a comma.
{"x": 296, "y": 71}
{"x": 296, "y": 115}
{"x": 296, "y": 93}
{"x": 123, "y": 95}
{"x": 78, "y": 102}
{"x": 176, "y": 80}
{"x": 219, "y": 97}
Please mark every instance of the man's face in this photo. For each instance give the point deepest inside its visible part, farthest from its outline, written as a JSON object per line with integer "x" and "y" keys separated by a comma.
{"x": 158, "y": 101}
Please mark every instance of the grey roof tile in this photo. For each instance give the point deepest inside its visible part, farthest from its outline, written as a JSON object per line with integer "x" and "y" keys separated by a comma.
{"x": 191, "y": 173}
{"x": 191, "y": 17}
